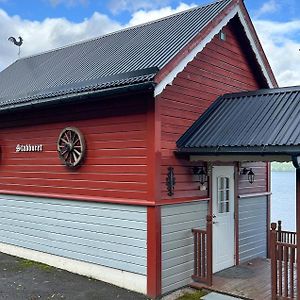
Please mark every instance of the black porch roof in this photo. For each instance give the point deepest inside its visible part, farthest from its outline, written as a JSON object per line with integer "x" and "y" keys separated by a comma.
{"x": 260, "y": 122}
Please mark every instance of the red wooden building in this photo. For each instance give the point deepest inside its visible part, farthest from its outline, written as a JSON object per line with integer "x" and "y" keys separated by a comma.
{"x": 90, "y": 177}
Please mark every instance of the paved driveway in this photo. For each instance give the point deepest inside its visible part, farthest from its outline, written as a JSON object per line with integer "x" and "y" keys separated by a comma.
{"x": 22, "y": 280}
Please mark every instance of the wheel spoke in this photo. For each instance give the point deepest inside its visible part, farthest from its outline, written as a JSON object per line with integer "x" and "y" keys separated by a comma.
{"x": 68, "y": 155}
{"x": 64, "y": 152}
{"x": 74, "y": 156}
{"x": 74, "y": 138}
{"x": 77, "y": 152}
{"x": 62, "y": 139}
{"x": 66, "y": 137}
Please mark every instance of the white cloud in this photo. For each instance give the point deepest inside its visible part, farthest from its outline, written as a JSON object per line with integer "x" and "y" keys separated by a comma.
{"x": 268, "y": 7}
{"x": 48, "y": 34}
{"x": 117, "y": 6}
{"x": 142, "y": 16}
{"x": 282, "y": 49}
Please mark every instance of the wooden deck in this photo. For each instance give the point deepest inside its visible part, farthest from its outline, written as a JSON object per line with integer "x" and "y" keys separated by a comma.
{"x": 250, "y": 280}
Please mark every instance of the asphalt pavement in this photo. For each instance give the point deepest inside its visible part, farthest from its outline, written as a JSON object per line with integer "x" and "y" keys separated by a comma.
{"x": 26, "y": 280}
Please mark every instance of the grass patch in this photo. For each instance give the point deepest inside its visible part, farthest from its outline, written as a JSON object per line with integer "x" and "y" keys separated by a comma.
{"x": 25, "y": 263}
{"x": 192, "y": 296}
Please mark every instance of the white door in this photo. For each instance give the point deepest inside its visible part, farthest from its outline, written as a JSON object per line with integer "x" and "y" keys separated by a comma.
{"x": 223, "y": 217}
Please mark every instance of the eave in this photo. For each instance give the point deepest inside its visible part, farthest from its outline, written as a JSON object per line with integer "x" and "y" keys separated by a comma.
{"x": 242, "y": 153}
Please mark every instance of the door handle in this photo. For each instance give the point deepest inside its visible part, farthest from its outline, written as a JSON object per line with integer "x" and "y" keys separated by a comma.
{"x": 215, "y": 222}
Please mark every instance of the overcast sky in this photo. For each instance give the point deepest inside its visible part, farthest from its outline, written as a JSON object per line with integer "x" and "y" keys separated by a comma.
{"x": 48, "y": 24}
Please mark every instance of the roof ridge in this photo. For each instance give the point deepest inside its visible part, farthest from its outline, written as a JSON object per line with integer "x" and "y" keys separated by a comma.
{"x": 122, "y": 30}
{"x": 280, "y": 90}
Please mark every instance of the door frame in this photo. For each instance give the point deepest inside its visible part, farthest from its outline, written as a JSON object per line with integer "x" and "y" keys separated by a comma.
{"x": 236, "y": 206}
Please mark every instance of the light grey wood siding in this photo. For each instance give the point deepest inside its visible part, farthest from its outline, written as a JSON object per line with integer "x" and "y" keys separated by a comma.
{"x": 252, "y": 228}
{"x": 106, "y": 234}
{"x": 177, "y": 242}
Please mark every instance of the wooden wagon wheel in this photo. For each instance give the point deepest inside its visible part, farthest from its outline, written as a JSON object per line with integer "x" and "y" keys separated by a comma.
{"x": 71, "y": 147}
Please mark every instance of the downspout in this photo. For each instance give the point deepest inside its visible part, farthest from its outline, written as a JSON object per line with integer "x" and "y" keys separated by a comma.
{"x": 296, "y": 163}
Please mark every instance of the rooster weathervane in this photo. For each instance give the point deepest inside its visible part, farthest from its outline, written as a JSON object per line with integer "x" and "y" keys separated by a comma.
{"x": 17, "y": 43}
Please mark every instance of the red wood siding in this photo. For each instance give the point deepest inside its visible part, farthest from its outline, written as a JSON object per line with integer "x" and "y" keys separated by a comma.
{"x": 222, "y": 67}
{"x": 116, "y": 162}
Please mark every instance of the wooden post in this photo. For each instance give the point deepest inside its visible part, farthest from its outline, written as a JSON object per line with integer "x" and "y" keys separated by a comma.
{"x": 279, "y": 238}
{"x": 298, "y": 226}
{"x": 209, "y": 249}
{"x": 273, "y": 239}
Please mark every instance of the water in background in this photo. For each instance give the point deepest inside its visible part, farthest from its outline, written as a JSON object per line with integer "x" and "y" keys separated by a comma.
{"x": 283, "y": 199}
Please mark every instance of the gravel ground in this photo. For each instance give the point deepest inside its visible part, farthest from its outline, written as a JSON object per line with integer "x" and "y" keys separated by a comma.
{"x": 25, "y": 280}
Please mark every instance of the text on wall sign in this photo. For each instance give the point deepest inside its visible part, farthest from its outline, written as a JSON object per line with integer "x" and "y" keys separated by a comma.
{"x": 29, "y": 148}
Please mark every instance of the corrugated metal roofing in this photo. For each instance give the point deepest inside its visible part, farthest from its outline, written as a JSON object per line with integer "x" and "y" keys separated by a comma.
{"x": 261, "y": 120}
{"x": 134, "y": 49}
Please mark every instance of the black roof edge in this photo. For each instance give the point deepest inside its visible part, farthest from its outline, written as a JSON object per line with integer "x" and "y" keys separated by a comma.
{"x": 242, "y": 150}
{"x": 197, "y": 123}
{"x": 263, "y": 92}
{"x": 99, "y": 81}
{"x": 68, "y": 98}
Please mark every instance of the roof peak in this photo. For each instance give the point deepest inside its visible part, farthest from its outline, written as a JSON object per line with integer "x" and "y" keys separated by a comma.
{"x": 124, "y": 29}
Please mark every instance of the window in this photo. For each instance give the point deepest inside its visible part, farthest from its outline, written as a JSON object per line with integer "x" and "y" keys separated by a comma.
{"x": 223, "y": 194}
{"x": 222, "y": 35}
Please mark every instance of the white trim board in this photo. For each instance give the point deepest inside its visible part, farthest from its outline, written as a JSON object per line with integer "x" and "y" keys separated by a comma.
{"x": 183, "y": 63}
{"x": 127, "y": 280}
{"x": 254, "y": 48}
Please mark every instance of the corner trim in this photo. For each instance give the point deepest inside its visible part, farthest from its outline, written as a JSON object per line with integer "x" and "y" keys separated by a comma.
{"x": 154, "y": 253}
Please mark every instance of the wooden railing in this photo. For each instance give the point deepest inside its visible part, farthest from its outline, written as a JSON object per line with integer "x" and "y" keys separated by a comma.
{"x": 288, "y": 237}
{"x": 203, "y": 253}
{"x": 283, "y": 250}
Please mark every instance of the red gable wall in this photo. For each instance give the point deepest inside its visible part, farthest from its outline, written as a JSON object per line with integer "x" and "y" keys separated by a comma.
{"x": 222, "y": 67}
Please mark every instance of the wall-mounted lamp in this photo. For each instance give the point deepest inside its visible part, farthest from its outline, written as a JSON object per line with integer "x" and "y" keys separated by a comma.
{"x": 250, "y": 173}
{"x": 170, "y": 181}
{"x": 201, "y": 173}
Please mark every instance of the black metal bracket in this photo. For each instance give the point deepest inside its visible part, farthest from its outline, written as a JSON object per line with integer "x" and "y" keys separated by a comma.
{"x": 170, "y": 181}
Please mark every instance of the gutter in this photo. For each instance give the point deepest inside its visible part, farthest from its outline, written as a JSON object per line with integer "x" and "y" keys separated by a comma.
{"x": 69, "y": 98}
{"x": 240, "y": 150}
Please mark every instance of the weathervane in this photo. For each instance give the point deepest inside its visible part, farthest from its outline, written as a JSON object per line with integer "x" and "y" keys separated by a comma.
{"x": 17, "y": 43}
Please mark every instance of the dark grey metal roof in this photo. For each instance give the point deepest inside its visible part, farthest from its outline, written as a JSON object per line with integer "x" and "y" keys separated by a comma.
{"x": 97, "y": 64}
{"x": 265, "y": 121}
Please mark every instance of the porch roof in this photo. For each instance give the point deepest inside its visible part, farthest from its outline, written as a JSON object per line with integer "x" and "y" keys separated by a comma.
{"x": 259, "y": 123}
